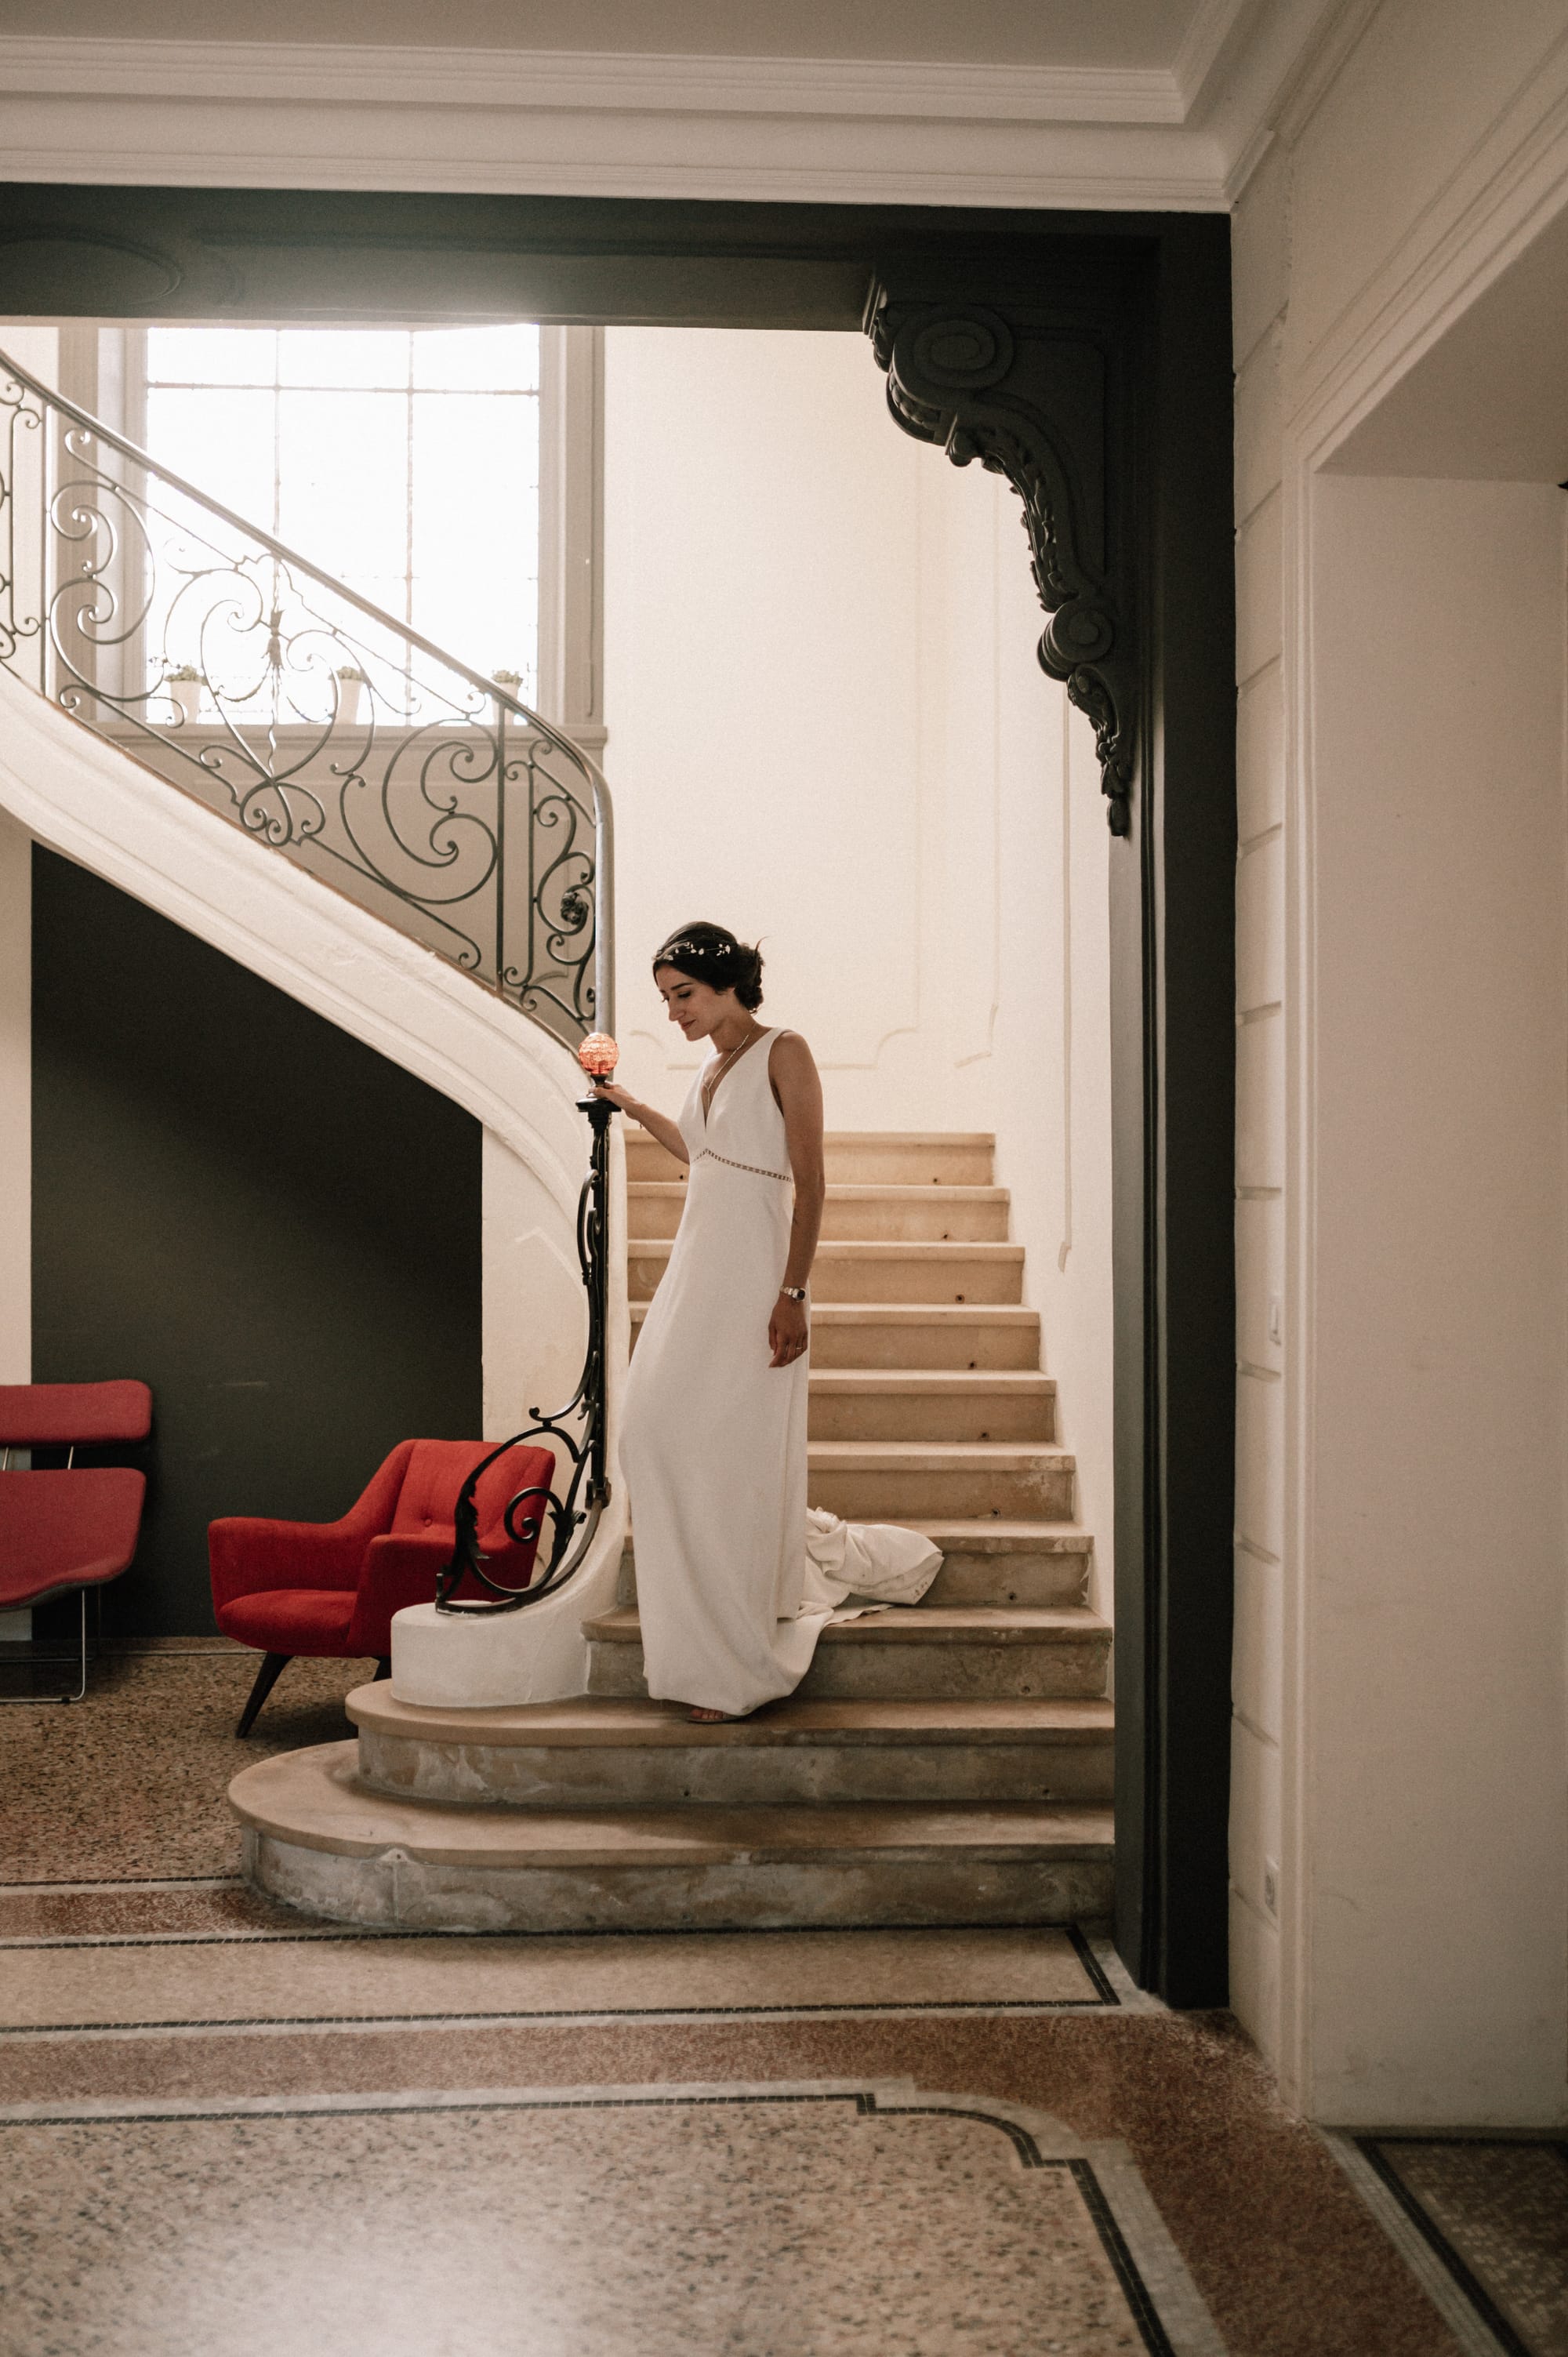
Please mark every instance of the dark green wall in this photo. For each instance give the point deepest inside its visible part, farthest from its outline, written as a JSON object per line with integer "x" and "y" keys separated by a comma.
{"x": 275, "y": 1227}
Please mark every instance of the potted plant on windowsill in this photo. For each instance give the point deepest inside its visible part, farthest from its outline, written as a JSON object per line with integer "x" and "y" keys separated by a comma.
{"x": 183, "y": 683}
{"x": 510, "y": 680}
{"x": 351, "y": 680}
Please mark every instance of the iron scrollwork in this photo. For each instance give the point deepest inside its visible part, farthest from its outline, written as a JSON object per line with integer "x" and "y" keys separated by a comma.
{"x": 1028, "y": 397}
{"x": 579, "y": 1429}
{"x": 323, "y": 727}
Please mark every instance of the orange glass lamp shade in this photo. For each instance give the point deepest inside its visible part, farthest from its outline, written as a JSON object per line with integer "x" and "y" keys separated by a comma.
{"x": 598, "y": 1055}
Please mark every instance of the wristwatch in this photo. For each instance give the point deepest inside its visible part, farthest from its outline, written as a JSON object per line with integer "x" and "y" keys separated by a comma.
{"x": 793, "y": 1292}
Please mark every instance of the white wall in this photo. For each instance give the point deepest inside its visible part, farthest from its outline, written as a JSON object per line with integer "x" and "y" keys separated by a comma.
{"x": 827, "y": 728}
{"x": 1436, "y": 1491}
{"x": 1403, "y": 1096}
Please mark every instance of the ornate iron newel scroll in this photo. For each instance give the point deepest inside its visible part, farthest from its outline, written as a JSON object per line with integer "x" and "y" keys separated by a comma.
{"x": 578, "y": 1429}
{"x": 1034, "y": 397}
{"x": 324, "y": 727}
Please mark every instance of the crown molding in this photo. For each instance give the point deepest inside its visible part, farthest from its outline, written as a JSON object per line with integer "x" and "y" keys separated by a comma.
{"x": 582, "y": 81}
{"x": 567, "y": 123}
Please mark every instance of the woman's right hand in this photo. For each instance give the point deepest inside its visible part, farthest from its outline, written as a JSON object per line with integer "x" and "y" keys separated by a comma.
{"x": 612, "y": 1095}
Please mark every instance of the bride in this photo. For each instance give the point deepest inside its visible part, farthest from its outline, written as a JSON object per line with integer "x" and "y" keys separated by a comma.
{"x": 736, "y": 1577}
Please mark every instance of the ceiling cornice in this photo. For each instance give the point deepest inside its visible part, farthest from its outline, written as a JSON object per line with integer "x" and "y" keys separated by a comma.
{"x": 359, "y": 74}
{"x": 251, "y": 114}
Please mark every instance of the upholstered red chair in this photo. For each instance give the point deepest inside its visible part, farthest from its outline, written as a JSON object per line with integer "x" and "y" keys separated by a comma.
{"x": 78, "y": 1528}
{"x": 328, "y": 1591}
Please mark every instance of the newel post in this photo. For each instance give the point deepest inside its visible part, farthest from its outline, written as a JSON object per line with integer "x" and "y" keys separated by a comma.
{"x": 572, "y": 1515}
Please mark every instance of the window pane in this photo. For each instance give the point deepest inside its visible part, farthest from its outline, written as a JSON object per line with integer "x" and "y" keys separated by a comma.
{"x": 211, "y": 356}
{"x": 222, "y": 442}
{"x": 343, "y": 356}
{"x": 475, "y": 539}
{"x": 477, "y": 360}
{"x": 343, "y": 499}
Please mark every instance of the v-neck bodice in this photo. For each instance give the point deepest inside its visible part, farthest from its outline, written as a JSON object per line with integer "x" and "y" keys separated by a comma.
{"x": 742, "y": 1127}
{"x": 705, "y": 1094}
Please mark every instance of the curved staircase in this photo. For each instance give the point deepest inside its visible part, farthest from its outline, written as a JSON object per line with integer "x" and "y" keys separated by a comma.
{"x": 945, "y": 1763}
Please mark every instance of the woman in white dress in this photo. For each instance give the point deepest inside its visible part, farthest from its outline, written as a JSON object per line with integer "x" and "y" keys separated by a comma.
{"x": 736, "y": 1577}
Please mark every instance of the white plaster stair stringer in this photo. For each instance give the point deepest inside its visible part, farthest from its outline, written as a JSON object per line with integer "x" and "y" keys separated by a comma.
{"x": 97, "y": 804}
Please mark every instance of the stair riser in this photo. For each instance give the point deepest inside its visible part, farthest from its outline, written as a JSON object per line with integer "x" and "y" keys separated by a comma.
{"x": 905, "y": 1416}
{"x": 933, "y": 1220}
{"x": 914, "y": 1346}
{"x": 907, "y": 1888}
{"x": 900, "y": 1672}
{"x": 572, "y": 1776}
{"x": 926, "y": 1275}
{"x": 1033, "y": 1581}
{"x": 910, "y": 1348}
{"x": 1036, "y": 1581}
{"x": 912, "y": 1494}
{"x": 869, "y": 1163}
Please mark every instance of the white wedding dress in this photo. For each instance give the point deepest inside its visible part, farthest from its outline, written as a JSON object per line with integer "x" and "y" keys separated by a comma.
{"x": 736, "y": 1578}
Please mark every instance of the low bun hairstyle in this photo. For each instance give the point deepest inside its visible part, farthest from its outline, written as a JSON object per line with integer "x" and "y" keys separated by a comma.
{"x": 712, "y": 954}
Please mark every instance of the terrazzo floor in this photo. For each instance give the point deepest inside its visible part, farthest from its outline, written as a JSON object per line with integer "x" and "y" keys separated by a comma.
{"x": 224, "y": 2129}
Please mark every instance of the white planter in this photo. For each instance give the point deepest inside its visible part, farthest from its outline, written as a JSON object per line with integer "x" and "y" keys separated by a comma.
{"x": 349, "y": 691}
{"x": 187, "y": 694}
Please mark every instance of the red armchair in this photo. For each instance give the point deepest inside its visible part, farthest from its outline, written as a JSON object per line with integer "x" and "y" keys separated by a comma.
{"x": 328, "y": 1591}
{"x": 76, "y": 1528}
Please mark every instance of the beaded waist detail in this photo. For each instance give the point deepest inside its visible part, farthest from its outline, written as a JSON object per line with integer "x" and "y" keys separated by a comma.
{"x": 707, "y": 1155}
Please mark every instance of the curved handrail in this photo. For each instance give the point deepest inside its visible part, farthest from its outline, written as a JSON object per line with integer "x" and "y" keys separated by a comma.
{"x": 69, "y": 608}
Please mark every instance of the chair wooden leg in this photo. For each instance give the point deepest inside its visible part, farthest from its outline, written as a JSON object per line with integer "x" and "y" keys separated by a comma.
{"x": 384, "y": 1667}
{"x": 271, "y": 1669}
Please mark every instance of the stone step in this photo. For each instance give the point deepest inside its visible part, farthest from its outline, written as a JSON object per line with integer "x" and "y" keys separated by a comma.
{"x": 923, "y": 1403}
{"x": 912, "y": 1157}
{"x": 600, "y": 1750}
{"x": 901, "y": 1334}
{"x": 985, "y": 1560}
{"x": 910, "y": 1653}
{"x": 876, "y": 1272}
{"x": 319, "y": 1839}
{"x": 850, "y": 1215}
{"x": 908, "y": 1480}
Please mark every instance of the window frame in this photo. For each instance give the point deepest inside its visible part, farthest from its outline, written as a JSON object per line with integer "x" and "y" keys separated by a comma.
{"x": 104, "y": 371}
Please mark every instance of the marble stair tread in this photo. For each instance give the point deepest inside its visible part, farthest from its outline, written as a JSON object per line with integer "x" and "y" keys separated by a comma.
{"x": 904, "y": 1313}
{"x": 954, "y": 1140}
{"x": 940, "y": 1456}
{"x": 849, "y": 1248}
{"x": 978, "y": 1535}
{"x": 854, "y": 1191}
{"x": 920, "y": 1382}
{"x": 995, "y": 1534}
{"x": 890, "y": 1137}
{"x": 916, "y": 1624}
{"x": 595, "y": 1721}
{"x": 314, "y": 1800}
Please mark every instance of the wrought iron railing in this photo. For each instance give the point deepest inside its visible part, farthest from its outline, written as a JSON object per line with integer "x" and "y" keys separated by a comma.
{"x": 325, "y": 728}
{"x": 333, "y": 733}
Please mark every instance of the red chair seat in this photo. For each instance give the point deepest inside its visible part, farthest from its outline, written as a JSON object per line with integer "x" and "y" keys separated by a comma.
{"x": 56, "y": 1416}
{"x": 332, "y": 1590}
{"x": 60, "y": 1531}
{"x": 311, "y": 1621}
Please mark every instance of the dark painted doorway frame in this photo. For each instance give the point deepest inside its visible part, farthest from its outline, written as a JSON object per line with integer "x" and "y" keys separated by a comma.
{"x": 1088, "y": 357}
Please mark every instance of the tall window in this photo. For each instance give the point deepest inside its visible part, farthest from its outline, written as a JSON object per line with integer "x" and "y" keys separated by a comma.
{"x": 405, "y": 461}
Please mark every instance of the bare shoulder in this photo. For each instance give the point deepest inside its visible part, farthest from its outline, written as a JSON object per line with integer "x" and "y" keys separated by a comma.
{"x": 789, "y": 1054}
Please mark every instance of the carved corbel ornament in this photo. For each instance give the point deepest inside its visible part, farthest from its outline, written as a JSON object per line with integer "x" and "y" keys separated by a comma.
{"x": 981, "y": 386}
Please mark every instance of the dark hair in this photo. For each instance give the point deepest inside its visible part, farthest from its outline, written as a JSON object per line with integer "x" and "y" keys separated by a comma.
{"x": 710, "y": 954}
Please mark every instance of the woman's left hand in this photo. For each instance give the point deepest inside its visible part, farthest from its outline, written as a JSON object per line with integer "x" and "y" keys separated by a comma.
{"x": 789, "y": 1330}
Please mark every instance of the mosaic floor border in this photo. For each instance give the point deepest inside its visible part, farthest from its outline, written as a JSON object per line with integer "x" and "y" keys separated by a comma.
{"x": 1450, "y": 2283}
{"x": 1161, "y": 2299}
